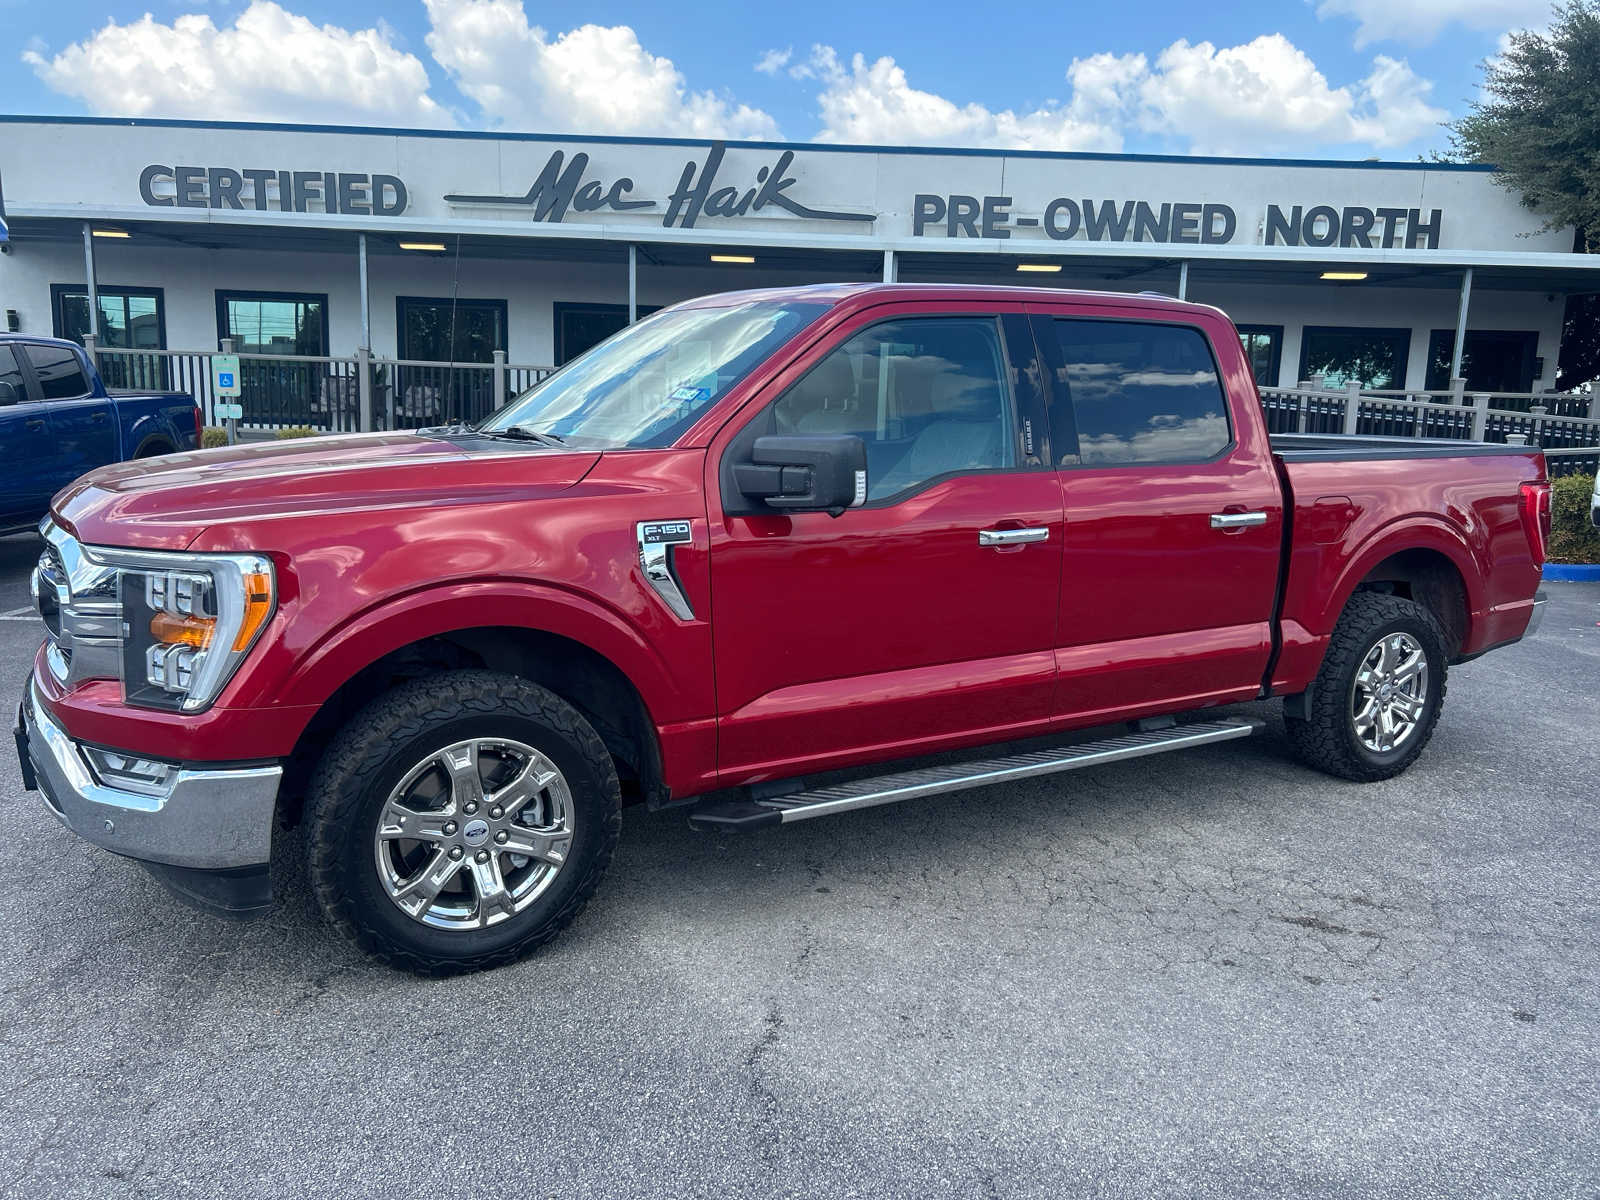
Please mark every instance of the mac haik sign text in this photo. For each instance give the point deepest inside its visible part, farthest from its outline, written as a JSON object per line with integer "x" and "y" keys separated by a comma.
{"x": 562, "y": 186}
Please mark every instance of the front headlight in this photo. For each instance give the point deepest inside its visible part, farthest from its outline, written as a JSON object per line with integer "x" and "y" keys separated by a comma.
{"x": 188, "y": 620}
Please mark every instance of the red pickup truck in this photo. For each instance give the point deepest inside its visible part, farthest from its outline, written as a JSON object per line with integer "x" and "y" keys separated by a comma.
{"x": 735, "y": 558}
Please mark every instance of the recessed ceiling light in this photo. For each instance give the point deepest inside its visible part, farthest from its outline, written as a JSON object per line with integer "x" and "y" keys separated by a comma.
{"x": 422, "y": 245}
{"x": 1041, "y": 267}
{"x": 733, "y": 258}
{"x": 117, "y": 233}
{"x": 1350, "y": 276}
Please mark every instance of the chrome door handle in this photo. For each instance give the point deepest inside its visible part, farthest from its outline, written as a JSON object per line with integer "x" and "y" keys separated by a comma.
{"x": 1237, "y": 520}
{"x": 1013, "y": 537}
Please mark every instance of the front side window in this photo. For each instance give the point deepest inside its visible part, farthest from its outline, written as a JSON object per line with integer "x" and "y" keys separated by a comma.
{"x": 927, "y": 395}
{"x": 1374, "y": 358}
{"x": 646, "y": 385}
{"x": 273, "y": 322}
{"x": 1141, "y": 392}
{"x": 59, "y": 372}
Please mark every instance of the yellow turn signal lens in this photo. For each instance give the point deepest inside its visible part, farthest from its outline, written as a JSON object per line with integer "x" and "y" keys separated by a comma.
{"x": 172, "y": 630}
{"x": 257, "y": 607}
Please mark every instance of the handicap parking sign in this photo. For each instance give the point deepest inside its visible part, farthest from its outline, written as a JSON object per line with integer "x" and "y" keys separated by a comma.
{"x": 225, "y": 374}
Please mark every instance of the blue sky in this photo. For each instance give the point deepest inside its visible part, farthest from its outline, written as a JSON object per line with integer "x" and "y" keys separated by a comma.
{"x": 1335, "y": 78}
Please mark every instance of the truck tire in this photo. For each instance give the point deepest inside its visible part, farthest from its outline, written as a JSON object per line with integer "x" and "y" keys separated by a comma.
{"x": 1376, "y": 699}
{"x": 513, "y": 807}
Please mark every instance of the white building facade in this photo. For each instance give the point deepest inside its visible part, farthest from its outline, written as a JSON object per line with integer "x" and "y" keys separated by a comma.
{"x": 448, "y": 246}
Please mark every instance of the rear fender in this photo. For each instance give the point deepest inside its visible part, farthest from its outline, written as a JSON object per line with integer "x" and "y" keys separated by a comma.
{"x": 1411, "y": 533}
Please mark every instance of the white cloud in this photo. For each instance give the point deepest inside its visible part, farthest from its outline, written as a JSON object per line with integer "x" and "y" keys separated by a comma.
{"x": 1420, "y": 21}
{"x": 1261, "y": 97}
{"x": 269, "y": 65}
{"x": 1267, "y": 95}
{"x": 592, "y": 79}
{"x": 773, "y": 61}
{"x": 874, "y": 103}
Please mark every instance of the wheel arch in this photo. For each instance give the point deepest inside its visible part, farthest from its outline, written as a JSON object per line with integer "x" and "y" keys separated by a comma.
{"x": 1426, "y": 561}
{"x": 601, "y": 667}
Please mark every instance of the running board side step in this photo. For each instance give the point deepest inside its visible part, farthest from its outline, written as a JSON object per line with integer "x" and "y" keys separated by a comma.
{"x": 753, "y": 813}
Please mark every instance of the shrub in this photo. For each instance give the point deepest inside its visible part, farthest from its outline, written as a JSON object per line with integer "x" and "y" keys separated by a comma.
{"x": 296, "y": 431}
{"x": 213, "y": 436}
{"x": 1572, "y": 538}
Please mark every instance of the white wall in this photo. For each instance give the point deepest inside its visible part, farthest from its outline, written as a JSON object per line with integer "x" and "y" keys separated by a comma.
{"x": 190, "y": 279}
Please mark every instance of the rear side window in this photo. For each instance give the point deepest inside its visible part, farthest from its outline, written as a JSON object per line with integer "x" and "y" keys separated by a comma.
{"x": 927, "y": 395}
{"x": 10, "y": 374}
{"x": 1141, "y": 392}
{"x": 59, "y": 371}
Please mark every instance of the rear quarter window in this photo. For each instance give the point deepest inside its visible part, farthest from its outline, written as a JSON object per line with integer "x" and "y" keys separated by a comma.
{"x": 1141, "y": 392}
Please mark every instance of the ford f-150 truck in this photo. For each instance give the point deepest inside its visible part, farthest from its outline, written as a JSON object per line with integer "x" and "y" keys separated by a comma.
{"x": 741, "y": 557}
{"x": 57, "y": 421}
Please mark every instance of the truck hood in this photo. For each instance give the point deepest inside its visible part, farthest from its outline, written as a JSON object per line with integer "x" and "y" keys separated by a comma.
{"x": 165, "y": 503}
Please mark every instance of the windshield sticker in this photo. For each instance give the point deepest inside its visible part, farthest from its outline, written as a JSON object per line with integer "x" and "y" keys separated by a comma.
{"x": 690, "y": 395}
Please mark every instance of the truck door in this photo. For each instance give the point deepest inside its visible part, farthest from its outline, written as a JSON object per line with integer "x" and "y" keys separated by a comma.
{"x": 25, "y": 450}
{"x": 1173, "y": 515}
{"x": 925, "y": 616}
{"x": 83, "y": 425}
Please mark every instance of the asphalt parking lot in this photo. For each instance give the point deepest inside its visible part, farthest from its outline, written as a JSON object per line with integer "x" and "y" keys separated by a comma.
{"x": 1209, "y": 974}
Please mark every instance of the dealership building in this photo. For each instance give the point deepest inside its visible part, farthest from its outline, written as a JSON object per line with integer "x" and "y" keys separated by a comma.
{"x": 449, "y": 246}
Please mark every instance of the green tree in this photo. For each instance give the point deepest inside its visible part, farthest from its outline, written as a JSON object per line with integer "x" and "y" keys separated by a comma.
{"x": 1537, "y": 118}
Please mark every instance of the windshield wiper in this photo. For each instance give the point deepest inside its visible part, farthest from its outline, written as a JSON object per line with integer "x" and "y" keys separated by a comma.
{"x": 524, "y": 433}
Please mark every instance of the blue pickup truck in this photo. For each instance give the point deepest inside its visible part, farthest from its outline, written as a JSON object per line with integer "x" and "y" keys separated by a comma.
{"x": 57, "y": 421}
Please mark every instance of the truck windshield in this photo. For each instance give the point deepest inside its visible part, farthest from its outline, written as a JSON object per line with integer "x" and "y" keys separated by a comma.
{"x": 646, "y": 385}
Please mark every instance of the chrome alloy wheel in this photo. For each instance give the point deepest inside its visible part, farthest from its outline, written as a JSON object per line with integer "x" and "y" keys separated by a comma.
{"x": 474, "y": 833}
{"x": 1389, "y": 696}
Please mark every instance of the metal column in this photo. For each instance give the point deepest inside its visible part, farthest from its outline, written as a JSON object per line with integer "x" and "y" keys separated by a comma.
{"x": 888, "y": 266}
{"x": 88, "y": 270}
{"x": 1183, "y": 280}
{"x": 633, "y": 283}
{"x": 366, "y": 305}
{"x": 1461, "y": 323}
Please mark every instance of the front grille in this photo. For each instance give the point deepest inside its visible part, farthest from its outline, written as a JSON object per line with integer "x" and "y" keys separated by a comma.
{"x": 82, "y": 612}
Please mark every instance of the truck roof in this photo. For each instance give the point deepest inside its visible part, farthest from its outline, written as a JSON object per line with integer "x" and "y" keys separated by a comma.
{"x": 37, "y": 337}
{"x": 862, "y": 295}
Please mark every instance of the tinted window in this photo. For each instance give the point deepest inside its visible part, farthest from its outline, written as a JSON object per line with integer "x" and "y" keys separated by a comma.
{"x": 60, "y": 374}
{"x": 1142, "y": 392}
{"x": 1374, "y": 358}
{"x": 11, "y": 374}
{"x": 1263, "y": 346}
{"x": 926, "y": 396}
{"x": 273, "y": 323}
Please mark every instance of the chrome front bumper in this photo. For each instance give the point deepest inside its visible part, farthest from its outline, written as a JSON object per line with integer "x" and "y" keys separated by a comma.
{"x": 202, "y": 819}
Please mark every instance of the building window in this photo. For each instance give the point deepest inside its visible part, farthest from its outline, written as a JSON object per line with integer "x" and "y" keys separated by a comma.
{"x": 131, "y": 318}
{"x": 284, "y": 323}
{"x": 446, "y": 330}
{"x": 582, "y": 326}
{"x": 1141, "y": 392}
{"x": 1494, "y": 360}
{"x": 1263, "y": 347}
{"x": 1375, "y": 358}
